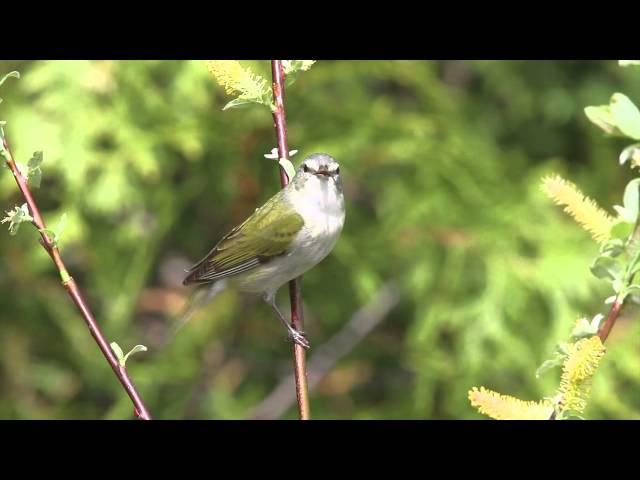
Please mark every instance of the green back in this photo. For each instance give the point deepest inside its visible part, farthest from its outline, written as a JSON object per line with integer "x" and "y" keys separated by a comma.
{"x": 264, "y": 235}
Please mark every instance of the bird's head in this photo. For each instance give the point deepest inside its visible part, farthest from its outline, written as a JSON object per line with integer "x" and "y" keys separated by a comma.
{"x": 319, "y": 169}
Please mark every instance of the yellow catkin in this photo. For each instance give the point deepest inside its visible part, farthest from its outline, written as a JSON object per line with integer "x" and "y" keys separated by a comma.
{"x": 583, "y": 209}
{"x": 236, "y": 79}
{"x": 577, "y": 372}
{"x": 504, "y": 407}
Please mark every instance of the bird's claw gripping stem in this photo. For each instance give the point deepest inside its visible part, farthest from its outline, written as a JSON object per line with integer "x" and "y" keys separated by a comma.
{"x": 299, "y": 338}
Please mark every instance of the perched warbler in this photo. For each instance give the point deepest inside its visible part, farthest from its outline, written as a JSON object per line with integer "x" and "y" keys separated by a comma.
{"x": 291, "y": 233}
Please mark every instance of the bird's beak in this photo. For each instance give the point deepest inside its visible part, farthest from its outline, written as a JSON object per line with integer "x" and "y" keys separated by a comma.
{"x": 324, "y": 173}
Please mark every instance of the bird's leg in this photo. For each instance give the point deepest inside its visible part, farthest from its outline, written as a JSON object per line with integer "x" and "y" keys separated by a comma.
{"x": 296, "y": 335}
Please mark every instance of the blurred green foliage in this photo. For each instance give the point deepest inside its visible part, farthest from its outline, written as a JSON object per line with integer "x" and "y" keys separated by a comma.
{"x": 441, "y": 162}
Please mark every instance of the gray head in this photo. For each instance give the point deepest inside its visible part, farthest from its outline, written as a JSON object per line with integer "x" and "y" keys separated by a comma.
{"x": 318, "y": 178}
{"x": 321, "y": 166}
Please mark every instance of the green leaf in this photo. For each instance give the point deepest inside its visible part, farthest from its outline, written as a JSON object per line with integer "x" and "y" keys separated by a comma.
{"x": 586, "y": 329}
{"x": 633, "y": 289}
{"x": 622, "y": 213}
{"x": 56, "y": 234}
{"x": 595, "y": 322}
{"x": 60, "y": 226}
{"x": 631, "y": 200}
{"x": 288, "y": 167}
{"x": 617, "y": 285}
{"x": 13, "y": 74}
{"x": 122, "y": 358}
{"x": 35, "y": 160}
{"x": 607, "y": 267}
{"x": 118, "y": 352}
{"x": 136, "y": 349}
{"x": 293, "y": 66}
{"x": 240, "y": 102}
{"x": 613, "y": 247}
{"x": 603, "y": 118}
{"x": 49, "y": 233}
{"x": 625, "y": 115}
{"x": 17, "y": 216}
{"x": 34, "y": 172}
{"x": 631, "y": 152}
{"x": 622, "y": 230}
{"x": 35, "y": 177}
{"x": 563, "y": 348}
{"x": 549, "y": 365}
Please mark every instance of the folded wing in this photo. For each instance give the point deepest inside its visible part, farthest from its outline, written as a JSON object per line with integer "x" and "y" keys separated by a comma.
{"x": 263, "y": 236}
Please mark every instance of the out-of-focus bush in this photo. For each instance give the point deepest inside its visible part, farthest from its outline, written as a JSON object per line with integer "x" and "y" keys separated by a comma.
{"x": 441, "y": 162}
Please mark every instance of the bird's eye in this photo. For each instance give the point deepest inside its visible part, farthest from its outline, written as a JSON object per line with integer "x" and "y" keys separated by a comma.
{"x": 305, "y": 168}
{"x": 338, "y": 171}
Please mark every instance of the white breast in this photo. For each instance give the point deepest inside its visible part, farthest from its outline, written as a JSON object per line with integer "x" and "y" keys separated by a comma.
{"x": 321, "y": 206}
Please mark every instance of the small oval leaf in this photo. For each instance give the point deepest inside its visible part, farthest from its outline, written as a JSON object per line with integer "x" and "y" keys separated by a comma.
{"x": 602, "y": 117}
{"x": 118, "y": 352}
{"x": 631, "y": 199}
{"x": 632, "y": 152}
{"x": 136, "y": 349}
{"x": 35, "y": 160}
{"x": 239, "y": 102}
{"x": 607, "y": 267}
{"x": 549, "y": 365}
{"x": 625, "y": 115}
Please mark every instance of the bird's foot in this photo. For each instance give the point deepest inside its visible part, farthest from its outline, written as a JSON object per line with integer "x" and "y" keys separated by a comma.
{"x": 299, "y": 338}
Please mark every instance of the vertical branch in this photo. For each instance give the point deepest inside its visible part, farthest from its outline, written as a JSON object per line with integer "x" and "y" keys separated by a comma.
{"x": 606, "y": 327}
{"x": 297, "y": 320}
{"x": 74, "y": 292}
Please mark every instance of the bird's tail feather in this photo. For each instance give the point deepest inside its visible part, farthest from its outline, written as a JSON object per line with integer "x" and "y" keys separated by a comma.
{"x": 199, "y": 298}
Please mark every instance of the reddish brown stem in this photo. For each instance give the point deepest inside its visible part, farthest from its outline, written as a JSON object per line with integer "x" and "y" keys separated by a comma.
{"x": 74, "y": 292}
{"x": 297, "y": 319}
{"x": 606, "y": 327}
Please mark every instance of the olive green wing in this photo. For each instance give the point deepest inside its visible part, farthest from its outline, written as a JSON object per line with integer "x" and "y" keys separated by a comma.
{"x": 264, "y": 235}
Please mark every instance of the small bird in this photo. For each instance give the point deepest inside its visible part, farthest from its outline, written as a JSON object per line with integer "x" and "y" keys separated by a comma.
{"x": 291, "y": 233}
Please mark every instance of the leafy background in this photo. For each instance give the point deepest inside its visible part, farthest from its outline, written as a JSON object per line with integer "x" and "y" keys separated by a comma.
{"x": 441, "y": 161}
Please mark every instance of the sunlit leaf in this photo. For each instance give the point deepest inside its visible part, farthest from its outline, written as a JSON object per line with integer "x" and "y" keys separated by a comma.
{"x": 118, "y": 352}
{"x": 134, "y": 350}
{"x": 626, "y": 115}
{"x": 35, "y": 160}
{"x": 548, "y": 365}
{"x": 17, "y": 216}
{"x": 632, "y": 152}
{"x": 603, "y": 118}
{"x": 607, "y": 267}
{"x": 239, "y": 102}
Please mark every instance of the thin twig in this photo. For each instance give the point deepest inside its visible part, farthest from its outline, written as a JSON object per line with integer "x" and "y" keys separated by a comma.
{"x": 363, "y": 321}
{"x": 140, "y": 410}
{"x": 295, "y": 294}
